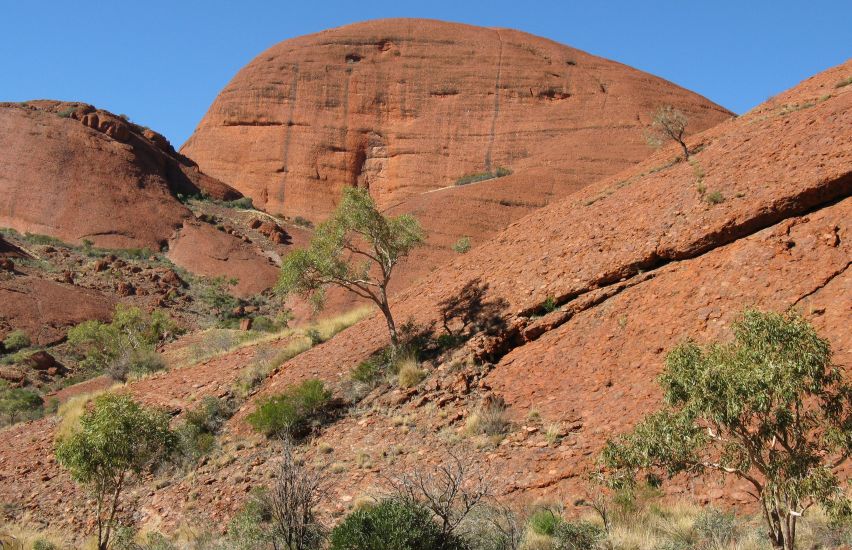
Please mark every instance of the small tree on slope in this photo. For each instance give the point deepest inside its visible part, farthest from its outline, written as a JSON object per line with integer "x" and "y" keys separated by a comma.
{"x": 117, "y": 440}
{"x": 768, "y": 408}
{"x": 356, "y": 249}
{"x": 669, "y": 124}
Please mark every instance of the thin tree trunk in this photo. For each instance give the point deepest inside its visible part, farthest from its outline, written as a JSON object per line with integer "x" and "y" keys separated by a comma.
{"x": 685, "y": 150}
{"x": 385, "y": 307}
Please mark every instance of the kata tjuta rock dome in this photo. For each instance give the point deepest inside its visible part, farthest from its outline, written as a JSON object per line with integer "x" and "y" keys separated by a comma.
{"x": 405, "y": 106}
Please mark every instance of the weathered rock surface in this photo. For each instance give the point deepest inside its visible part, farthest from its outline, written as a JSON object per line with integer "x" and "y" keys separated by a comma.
{"x": 74, "y": 172}
{"x": 207, "y": 251}
{"x": 46, "y": 309}
{"x": 405, "y": 106}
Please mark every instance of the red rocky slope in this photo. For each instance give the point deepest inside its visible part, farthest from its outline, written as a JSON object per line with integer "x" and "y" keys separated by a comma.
{"x": 75, "y": 172}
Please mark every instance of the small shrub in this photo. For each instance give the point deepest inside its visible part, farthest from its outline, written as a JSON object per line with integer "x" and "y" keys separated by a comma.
{"x": 714, "y": 197}
{"x": 303, "y": 222}
{"x": 67, "y": 112}
{"x": 391, "y": 525}
{"x": 549, "y": 305}
{"x": 197, "y": 433}
{"x": 467, "y": 179}
{"x": 367, "y": 372}
{"x": 545, "y": 521}
{"x": 410, "y": 374}
{"x": 243, "y": 203}
{"x": 462, "y": 245}
{"x": 42, "y": 544}
{"x": 135, "y": 363}
{"x": 292, "y": 412}
{"x": 490, "y": 419}
{"x": 16, "y": 340}
{"x": 716, "y": 527}
{"x": 19, "y": 403}
{"x": 844, "y": 82}
{"x": 577, "y": 535}
{"x": 314, "y": 336}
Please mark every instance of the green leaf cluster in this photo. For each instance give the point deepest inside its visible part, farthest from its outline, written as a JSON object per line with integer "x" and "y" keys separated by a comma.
{"x": 131, "y": 332}
{"x": 17, "y": 403}
{"x": 768, "y": 407}
{"x": 392, "y": 524}
{"x": 291, "y": 413}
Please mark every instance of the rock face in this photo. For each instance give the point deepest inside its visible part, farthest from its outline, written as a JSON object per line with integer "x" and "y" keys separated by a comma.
{"x": 406, "y": 106}
{"x": 206, "y": 251}
{"x": 74, "y": 172}
{"x": 46, "y": 309}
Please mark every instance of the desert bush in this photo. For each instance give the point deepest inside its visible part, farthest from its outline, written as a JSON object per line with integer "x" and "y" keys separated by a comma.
{"x": 844, "y": 82}
{"x": 244, "y": 203}
{"x": 715, "y": 527}
{"x": 489, "y": 419}
{"x": 42, "y": 544}
{"x": 131, "y": 331}
{"x": 216, "y": 296}
{"x": 16, "y": 340}
{"x": 293, "y": 412}
{"x": 491, "y": 527}
{"x": 669, "y": 124}
{"x": 367, "y": 372}
{"x": 409, "y": 374}
{"x": 303, "y": 222}
{"x": 577, "y": 535}
{"x": 462, "y": 245}
{"x": 544, "y": 521}
{"x": 197, "y": 433}
{"x": 714, "y": 197}
{"x": 135, "y": 363}
{"x": 19, "y": 403}
{"x": 291, "y": 501}
{"x": 392, "y": 524}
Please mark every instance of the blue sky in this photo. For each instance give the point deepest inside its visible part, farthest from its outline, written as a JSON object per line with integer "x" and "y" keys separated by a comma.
{"x": 163, "y": 62}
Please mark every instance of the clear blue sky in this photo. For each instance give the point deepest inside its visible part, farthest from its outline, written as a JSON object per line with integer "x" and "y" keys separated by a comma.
{"x": 163, "y": 62}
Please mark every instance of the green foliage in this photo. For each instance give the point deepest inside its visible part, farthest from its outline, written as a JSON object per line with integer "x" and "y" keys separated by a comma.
{"x": 356, "y": 249}
{"x": 462, "y": 245}
{"x": 499, "y": 172}
{"x": 197, "y": 434}
{"x": 116, "y": 441}
{"x": 545, "y": 521}
{"x": 67, "y": 112}
{"x": 768, "y": 407}
{"x": 714, "y": 197}
{"x": 217, "y": 297}
{"x": 137, "y": 362}
{"x": 368, "y": 372}
{"x": 303, "y": 222}
{"x": 578, "y": 535}
{"x": 248, "y": 529}
{"x": 391, "y": 525}
{"x": 42, "y": 544}
{"x": 549, "y": 305}
{"x": 19, "y": 403}
{"x": 243, "y": 203}
{"x": 16, "y": 340}
{"x": 126, "y": 342}
{"x": 292, "y": 412}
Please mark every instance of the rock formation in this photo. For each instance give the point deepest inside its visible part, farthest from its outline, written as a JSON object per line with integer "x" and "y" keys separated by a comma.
{"x": 78, "y": 173}
{"x": 406, "y": 106}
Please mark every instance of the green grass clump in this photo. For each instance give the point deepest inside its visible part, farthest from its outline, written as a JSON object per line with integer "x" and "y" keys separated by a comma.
{"x": 844, "y": 82}
{"x": 16, "y": 340}
{"x": 462, "y": 245}
{"x": 499, "y": 172}
{"x": 293, "y": 412}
